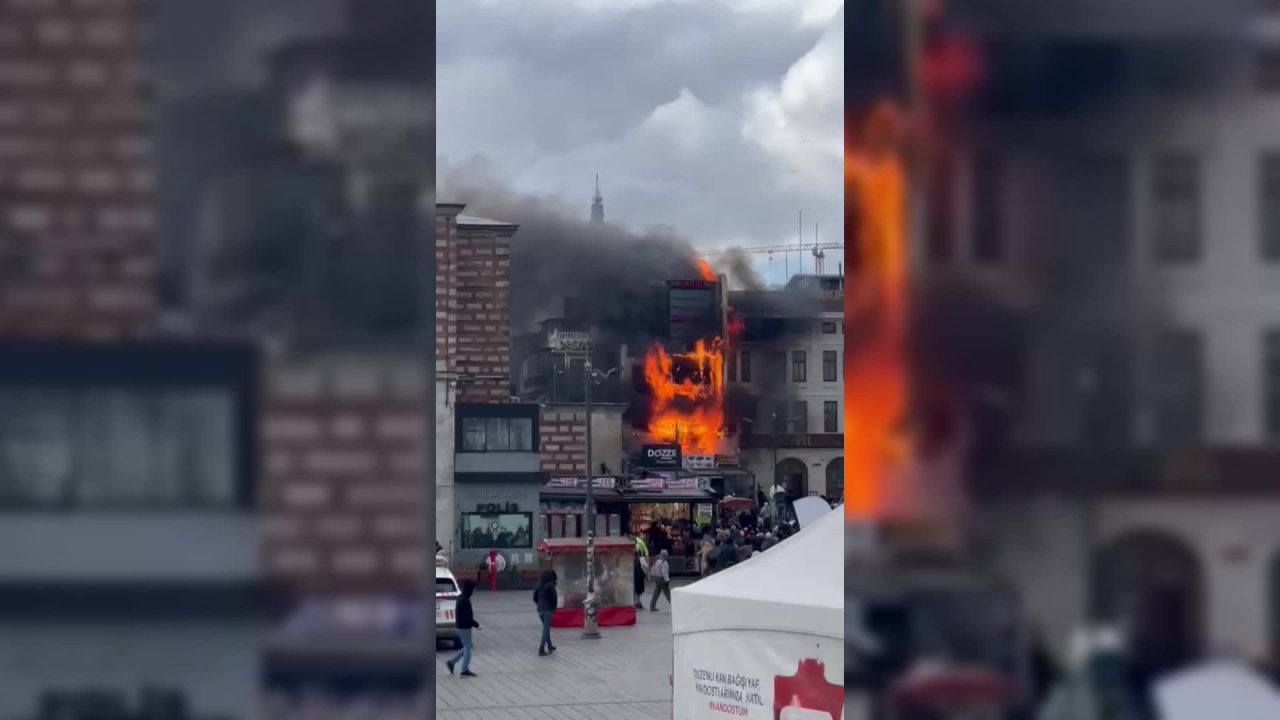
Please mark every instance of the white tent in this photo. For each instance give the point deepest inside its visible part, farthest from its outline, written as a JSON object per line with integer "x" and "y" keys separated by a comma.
{"x": 766, "y": 634}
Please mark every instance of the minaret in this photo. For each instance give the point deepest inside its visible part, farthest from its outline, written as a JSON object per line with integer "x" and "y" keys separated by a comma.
{"x": 597, "y": 204}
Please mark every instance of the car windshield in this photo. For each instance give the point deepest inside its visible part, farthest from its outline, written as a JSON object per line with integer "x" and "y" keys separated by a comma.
{"x": 446, "y": 585}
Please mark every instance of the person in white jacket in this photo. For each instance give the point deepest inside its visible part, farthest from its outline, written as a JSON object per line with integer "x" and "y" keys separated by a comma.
{"x": 660, "y": 574}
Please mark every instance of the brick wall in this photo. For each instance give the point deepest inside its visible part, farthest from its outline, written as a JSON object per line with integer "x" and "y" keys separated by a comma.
{"x": 562, "y": 432}
{"x": 76, "y": 179}
{"x": 474, "y": 277}
{"x": 343, "y": 482}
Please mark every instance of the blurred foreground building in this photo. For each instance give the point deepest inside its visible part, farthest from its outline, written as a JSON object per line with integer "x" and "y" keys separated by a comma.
{"x": 129, "y": 573}
{"x": 1122, "y": 193}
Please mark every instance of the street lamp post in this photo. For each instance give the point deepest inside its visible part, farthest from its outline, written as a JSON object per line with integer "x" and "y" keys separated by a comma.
{"x": 590, "y": 625}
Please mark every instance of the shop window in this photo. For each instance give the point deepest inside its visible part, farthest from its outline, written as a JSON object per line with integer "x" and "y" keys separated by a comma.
{"x": 497, "y": 434}
{"x": 501, "y": 531}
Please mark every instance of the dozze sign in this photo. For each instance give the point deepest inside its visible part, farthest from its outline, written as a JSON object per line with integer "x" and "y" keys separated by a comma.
{"x": 662, "y": 455}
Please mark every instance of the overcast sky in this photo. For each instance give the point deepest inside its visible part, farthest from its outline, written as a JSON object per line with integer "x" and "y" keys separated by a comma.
{"x": 720, "y": 119}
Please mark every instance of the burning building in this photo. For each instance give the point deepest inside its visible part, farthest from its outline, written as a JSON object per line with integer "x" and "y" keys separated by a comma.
{"x": 682, "y": 378}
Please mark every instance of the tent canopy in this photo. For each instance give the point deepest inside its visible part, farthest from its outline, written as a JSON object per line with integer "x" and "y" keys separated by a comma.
{"x": 796, "y": 586}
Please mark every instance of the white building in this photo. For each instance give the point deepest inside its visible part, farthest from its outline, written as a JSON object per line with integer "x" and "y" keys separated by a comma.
{"x": 789, "y": 366}
{"x": 1139, "y": 229}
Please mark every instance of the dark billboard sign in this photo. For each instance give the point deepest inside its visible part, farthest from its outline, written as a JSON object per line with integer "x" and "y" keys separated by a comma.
{"x": 660, "y": 456}
{"x": 693, "y": 313}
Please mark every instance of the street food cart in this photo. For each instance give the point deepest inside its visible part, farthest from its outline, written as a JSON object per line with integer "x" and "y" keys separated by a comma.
{"x": 615, "y": 579}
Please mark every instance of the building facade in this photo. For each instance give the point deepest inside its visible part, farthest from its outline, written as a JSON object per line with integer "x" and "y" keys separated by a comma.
{"x": 786, "y": 377}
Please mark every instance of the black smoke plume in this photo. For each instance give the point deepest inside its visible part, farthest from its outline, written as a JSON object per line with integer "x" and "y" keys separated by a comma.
{"x": 618, "y": 276}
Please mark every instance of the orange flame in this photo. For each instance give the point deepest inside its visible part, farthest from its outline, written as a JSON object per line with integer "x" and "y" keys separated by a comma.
{"x": 876, "y": 367}
{"x": 705, "y": 272}
{"x": 690, "y": 410}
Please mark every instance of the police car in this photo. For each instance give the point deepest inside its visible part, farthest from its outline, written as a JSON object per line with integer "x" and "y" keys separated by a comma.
{"x": 447, "y": 594}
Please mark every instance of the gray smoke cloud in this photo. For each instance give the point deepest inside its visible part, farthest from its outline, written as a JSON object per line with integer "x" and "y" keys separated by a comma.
{"x": 736, "y": 265}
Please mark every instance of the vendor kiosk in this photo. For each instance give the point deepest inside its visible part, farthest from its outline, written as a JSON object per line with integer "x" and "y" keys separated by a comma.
{"x": 615, "y": 579}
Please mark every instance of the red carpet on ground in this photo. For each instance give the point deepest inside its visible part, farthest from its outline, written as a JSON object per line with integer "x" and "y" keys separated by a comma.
{"x": 605, "y": 616}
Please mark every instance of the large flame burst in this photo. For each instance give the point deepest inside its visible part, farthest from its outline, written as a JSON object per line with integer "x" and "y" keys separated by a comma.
{"x": 876, "y": 363}
{"x": 688, "y": 396}
{"x": 688, "y": 389}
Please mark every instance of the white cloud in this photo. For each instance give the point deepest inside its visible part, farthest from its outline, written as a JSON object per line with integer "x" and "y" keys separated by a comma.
{"x": 799, "y": 122}
{"x": 810, "y": 13}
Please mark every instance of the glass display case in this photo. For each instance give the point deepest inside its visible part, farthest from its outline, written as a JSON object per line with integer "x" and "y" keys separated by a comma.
{"x": 614, "y": 570}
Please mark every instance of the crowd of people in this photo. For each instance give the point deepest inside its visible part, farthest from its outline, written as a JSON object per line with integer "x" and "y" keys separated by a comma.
{"x": 736, "y": 537}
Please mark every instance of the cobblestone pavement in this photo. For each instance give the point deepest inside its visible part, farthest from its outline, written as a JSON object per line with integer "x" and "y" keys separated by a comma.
{"x": 623, "y": 676}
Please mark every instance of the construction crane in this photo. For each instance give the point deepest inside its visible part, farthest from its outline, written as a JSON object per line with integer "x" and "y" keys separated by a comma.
{"x": 818, "y": 250}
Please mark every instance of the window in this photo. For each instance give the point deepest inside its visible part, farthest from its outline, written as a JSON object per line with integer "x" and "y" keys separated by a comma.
{"x": 501, "y": 531}
{"x": 445, "y": 585}
{"x": 1179, "y": 380}
{"x": 498, "y": 434}
{"x": 1269, "y": 205}
{"x": 798, "y": 423}
{"x": 118, "y": 447}
{"x": 1271, "y": 379}
{"x": 830, "y": 365}
{"x": 799, "y": 366}
{"x": 732, "y": 361}
{"x": 744, "y": 369}
{"x": 988, "y": 209}
{"x": 830, "y": 328}
{"x": 1175, "y": 208}
{"x": 939, "y": 241}
{"x": 831, "y": 416}
{"x": 1267, "y": 70}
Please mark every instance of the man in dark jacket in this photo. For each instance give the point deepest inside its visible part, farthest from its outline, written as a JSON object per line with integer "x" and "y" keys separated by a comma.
{"x": 727, "y": 555}
{"x": 547, "y": 598}
{"x": 466, "y": 621}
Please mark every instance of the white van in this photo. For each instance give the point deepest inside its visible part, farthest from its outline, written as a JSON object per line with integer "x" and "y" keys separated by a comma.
{"x": 447, "y": 594}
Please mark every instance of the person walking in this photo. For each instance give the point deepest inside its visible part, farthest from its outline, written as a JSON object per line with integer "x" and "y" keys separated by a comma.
{"x": 466, "y": 621}
{"x": 546, "y": 597}
{"x": 638, "y": 572}
{"x": 661, "y": 575}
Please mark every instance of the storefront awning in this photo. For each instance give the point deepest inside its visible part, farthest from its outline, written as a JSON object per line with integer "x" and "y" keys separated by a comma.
{"x": 661, "y": 496}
